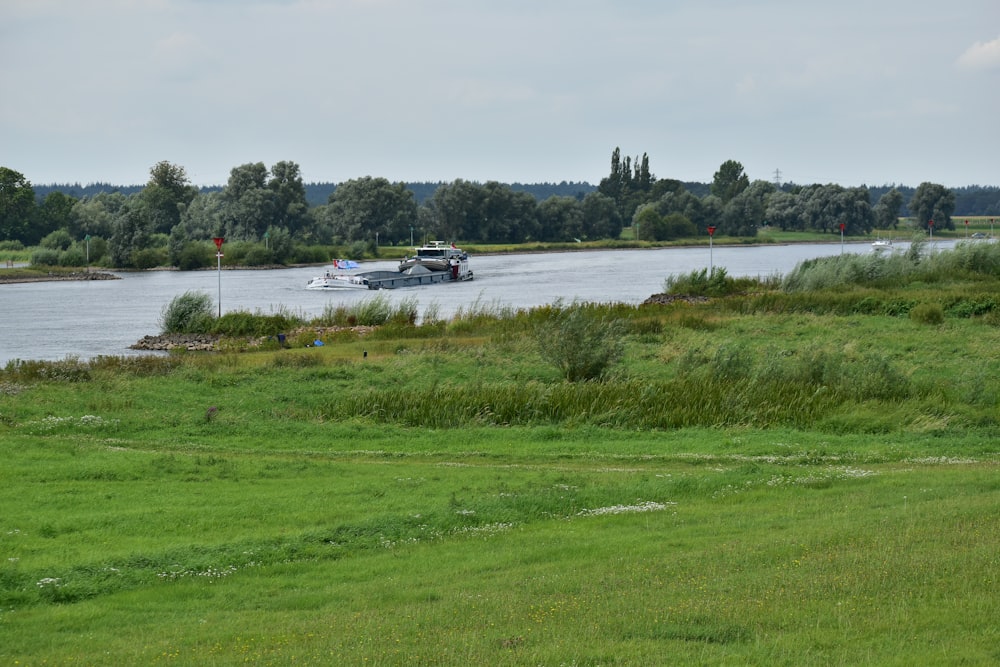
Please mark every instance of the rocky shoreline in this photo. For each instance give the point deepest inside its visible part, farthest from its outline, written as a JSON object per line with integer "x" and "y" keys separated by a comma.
{"x": 53, "y": 277}
{"x": 667, "y": 299}
{"x": 210, "y": 342}
{"x": 166, "y": 342}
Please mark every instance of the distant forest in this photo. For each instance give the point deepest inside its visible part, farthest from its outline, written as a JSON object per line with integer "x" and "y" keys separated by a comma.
{"x": 969, "y": 200}
{"x": 269, "y": 215}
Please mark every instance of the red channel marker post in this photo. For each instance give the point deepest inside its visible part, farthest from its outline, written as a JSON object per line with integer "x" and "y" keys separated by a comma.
{"x": 218, "y": 256}
{"x": 711, "y": 234}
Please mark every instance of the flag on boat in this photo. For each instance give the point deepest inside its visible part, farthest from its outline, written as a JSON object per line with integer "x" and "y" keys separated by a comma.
{"x": 345, "y": 264}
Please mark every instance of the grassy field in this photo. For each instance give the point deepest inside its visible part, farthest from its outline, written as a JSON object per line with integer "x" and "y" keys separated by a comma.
{"x": 770, "y": 478}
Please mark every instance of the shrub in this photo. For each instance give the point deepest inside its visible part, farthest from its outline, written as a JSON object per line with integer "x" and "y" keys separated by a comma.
{"x": 700, "y": 283}
{"x": 310, "y": 254}
{"x": 927, "y": 313}
{"x": 149, "y": 258}
{"x": 580, "y": 343}
{"x": 357, "y": 250}
{"x": 75, "y": 256}
{"x": 57, "y": 240}
{"x": 190, "y": 312}
{"x": 45, "y": 257}
{"x": 243, "y": 323}
{"x": 259, "y": 257}
{"x": 195, "y": 255}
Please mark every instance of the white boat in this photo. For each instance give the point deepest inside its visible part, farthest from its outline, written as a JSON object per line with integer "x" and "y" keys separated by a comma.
{"x": 880, "y": 244}
{"x": 340, "y": 277}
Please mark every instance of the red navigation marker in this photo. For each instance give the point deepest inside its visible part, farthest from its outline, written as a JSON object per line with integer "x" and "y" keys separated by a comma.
{"x": 711, "y": 230}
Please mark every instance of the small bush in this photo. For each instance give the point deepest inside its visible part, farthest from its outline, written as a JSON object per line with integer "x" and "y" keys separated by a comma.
{"x": 310, "y": 254}
{"x": 927, "y": 313}
{"x": 57, "y": 240}
{"x": 149, "y": 258}
{"x": 718, "y": 284}
{"x": 73, "y": 257}
{"x": 242, "y": 323}
{"x": 195, "y": 255}
{"x": 580, "y": 343}
{"x": 259, "y": 257}
{"x": 45, "y": 257}
{"x": 190, "y": 312}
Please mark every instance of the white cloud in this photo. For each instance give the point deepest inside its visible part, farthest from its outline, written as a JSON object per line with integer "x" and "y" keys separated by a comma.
{"x": 982, "y": 55}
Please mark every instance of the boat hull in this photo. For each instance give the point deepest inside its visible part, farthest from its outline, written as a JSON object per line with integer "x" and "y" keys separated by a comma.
{"x": 338, "y": 282}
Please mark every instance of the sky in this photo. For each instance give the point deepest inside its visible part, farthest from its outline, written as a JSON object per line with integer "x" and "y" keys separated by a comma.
{"x": 857, "y": 92}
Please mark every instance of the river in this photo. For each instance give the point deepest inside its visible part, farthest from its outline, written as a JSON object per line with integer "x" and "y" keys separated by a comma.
{"x": 53, "y": 320}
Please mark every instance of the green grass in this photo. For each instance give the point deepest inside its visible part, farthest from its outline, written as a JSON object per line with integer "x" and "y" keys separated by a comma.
{"x": 773, "y": 478}
{"x": 757, "y": 548}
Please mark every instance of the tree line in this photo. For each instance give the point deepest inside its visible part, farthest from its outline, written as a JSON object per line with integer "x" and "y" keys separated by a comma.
{"x": 266, "y": 214}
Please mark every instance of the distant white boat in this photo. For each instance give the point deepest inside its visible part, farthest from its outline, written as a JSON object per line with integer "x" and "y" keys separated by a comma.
{"x": 879, "y": 244}
{"x": 338, "y": 279}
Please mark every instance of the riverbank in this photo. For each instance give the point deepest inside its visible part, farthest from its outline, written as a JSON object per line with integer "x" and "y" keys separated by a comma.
{"x": 27, "y": 276}
{"x": 211, "y": 342}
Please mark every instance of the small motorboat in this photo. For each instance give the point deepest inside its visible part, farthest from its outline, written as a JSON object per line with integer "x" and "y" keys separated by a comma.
{"x": 880, "y": 245}
{"x": 340, "y": 277}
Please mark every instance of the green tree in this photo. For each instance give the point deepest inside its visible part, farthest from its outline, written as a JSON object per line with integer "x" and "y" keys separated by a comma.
{"x": 131, "y": 233}
{"x": 291, "y": 207}
{"x": 17, "y": 205}
{"x": 628, "y": 188}
{"x": 826, "y": 207}
{"x": 935, "y": 202}
{"x": 504, "y": 216}
{"x": 57, "y": 240}
{"x": 560, "y": 219}
{"x": 55, "y": 213}
{"x": 783, "y": 211}
{"x": 166, "y": 195}
{"x": 95, "y": 215}
{"x": 648, "y": 223}
{"x": 249, "y": 204}
{"x": 680, "y": 201}
{"x": 887, "y": 209}
{"x": 601, "y": 218}
{"x": 744, "y": 213}
{"x": 456, "y": 208}
{"x": 729, "y": 181}
{"x": 361, "y": 208}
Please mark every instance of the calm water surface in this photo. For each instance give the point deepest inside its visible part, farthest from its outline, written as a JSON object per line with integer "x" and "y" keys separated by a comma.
{"x": 51, "y": 320}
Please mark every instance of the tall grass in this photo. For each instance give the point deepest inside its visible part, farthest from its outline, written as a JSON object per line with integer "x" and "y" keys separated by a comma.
{"x": 719, "y": 283}
{"x": 375, "y": 311}
{"x": 725, "y": 387}
{"x": 967, "y": 261}
{"x": 191, "y": 312}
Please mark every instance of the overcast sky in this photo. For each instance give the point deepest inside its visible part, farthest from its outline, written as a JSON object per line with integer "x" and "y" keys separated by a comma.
{"x": 851, "y": 92}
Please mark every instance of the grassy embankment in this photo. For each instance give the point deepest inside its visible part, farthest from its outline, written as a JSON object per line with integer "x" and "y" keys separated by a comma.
{"x": 797, "y": 476}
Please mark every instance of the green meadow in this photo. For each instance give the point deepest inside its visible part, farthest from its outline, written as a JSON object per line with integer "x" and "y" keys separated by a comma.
{"x": 794, "y": 471}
